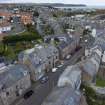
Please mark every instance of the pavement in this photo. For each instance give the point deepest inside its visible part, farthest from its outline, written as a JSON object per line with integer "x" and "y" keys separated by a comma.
{"x": 41, "y": 91}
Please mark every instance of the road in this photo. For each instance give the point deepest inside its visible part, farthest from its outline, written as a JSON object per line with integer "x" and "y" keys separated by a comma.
{"x": 17, "y": 29}
{"x": 41, "y": 91}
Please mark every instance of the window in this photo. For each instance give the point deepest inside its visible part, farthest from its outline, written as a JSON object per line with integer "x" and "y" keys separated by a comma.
{"x": 49, "y": 62}
{"x": 56, "y": 57}
{"x": 7, "y": 93}
{"x": 16, "y": 87}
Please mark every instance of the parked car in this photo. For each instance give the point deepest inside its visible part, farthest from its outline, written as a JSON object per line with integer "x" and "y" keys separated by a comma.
{"x": 54, "y": 70}
{"x": 59, "y": 66}
{"x": 44, "y": 79}
{"x": 68, "y": 57}
{"x": 28, "y": 94}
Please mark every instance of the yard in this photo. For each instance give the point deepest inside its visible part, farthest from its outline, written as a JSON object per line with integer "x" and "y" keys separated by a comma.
{"x": 100, "y": 82}
{"x": 91, "y": 96}
{"x": 12, "y": 45}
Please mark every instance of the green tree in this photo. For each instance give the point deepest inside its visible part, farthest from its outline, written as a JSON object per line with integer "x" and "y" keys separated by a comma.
{"x": 1, "y": 48}
{"x": 36, "y": 14}
{"x": 48, "y": 30}
{"x": 9, "y": 53}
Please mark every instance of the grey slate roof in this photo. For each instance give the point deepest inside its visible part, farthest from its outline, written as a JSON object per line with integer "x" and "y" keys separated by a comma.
{"x": 63, "y": 96}
{"x": 100, "y": 41}
{"x": 88, "y": 67}
{"x": 70, "y": 75}
{"x": 11, "y": 75}
{"x": 64, "y": 44}
{"x": 40, "y": 54}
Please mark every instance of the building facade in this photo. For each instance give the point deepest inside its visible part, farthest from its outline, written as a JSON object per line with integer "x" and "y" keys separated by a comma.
{"x": 40, "y": 59}
{"x": 5, "y": 27}
{"x": 14, "y": 81}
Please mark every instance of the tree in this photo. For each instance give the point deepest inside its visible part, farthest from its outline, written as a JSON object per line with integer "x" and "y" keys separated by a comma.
{"x": 1, "y": 48}
{"x": 86, "y": 31}
{"x": 48, "y": 30}
{"x": 20, "y": 38}
{"x": 9, "y": 53}
{"x": 54, "y": 15}
{"x": 36, "y": 14}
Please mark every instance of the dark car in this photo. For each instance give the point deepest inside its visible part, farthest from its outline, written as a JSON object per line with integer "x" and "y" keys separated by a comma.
{"x": 28, "y": 94}
{"x": 44, "y": 79}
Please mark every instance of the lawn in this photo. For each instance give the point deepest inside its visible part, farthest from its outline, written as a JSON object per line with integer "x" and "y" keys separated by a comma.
{"x": 29, "y": 33}
{"x": 100, "y": 82}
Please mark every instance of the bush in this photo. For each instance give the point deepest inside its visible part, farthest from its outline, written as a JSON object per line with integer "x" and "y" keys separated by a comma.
{"x": 100, "y": 82}
{"x": 91, "y": 96}
{"x": 19, "y": 38}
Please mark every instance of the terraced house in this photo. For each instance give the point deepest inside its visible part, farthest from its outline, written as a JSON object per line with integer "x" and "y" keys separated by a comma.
{"x": 70, "y": 77}
{"x": 40, "y": 59}
{"x": 66, "y": 43}
{"x": 90, "y": 65}
{"x": 14, "y": 81}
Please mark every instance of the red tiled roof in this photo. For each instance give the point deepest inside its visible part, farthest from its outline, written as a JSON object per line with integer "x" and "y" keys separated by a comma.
{"x": 7, "y": 14}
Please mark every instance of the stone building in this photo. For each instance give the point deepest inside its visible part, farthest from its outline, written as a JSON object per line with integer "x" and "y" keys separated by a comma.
{"x": 14, "y": 81}
{"x": 71, "y": 76}
{"x": 40, "y": 59}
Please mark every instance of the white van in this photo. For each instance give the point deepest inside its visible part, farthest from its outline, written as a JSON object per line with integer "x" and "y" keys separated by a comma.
{"x": 54, "y": 70}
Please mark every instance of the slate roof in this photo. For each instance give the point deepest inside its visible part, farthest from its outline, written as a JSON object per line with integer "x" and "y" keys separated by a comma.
{"x": 39, "y": 54}
{"x": 63, "y": 96}
{"x": 100, "y": 41}
{"x": 11, "y": 75}
{"x": 88, "y": 66}
{"x": 70, "y": 75}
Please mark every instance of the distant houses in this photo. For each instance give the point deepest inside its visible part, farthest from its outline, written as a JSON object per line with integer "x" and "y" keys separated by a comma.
{"x": 90, "y": 65}
{"x": 5, "y": 27}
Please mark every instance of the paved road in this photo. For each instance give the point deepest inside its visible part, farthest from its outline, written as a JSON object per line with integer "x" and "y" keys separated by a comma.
{"x": 41, "y": 91}
{"x": 18, "y": 28}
